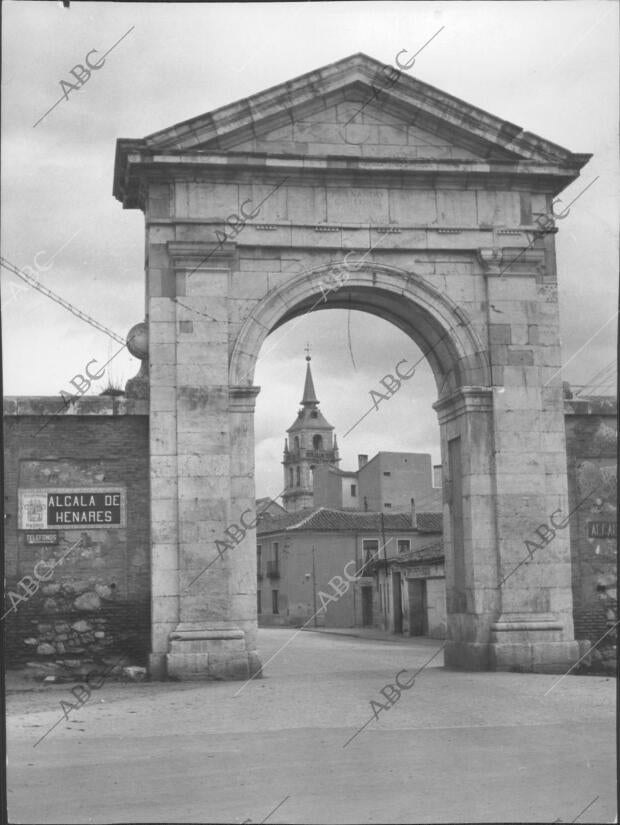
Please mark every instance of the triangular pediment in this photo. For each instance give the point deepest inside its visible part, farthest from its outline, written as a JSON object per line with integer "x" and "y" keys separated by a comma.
{"x": 351, "y": 108}
{"x": 349, "y": 126}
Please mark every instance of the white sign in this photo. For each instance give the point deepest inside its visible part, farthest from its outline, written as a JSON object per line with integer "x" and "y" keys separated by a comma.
{"x": 72, "y": 508}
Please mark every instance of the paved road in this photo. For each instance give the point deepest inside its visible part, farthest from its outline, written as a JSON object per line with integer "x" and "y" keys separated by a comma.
{"x": 456, "y": 747}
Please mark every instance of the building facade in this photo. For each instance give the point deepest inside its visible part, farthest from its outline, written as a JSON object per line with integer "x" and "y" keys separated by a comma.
{"x": 410, "y": 584}
{"x": 298, "y": 554}
{"x": 335, "y": 488}
{"x": 386, "y": 483}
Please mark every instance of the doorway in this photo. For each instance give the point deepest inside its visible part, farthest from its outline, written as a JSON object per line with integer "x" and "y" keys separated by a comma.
{"x": 366, "y": 606}
{"x": 418, "y": 616}
{"x": 397, "y": 602}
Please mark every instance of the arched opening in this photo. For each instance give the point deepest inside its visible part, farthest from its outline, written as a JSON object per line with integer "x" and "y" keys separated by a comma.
{"x": 456, "y": 360}
{"x": 296, "y": 442}
{"x": 404, "y": 424}
{"x": 432, "y": 320}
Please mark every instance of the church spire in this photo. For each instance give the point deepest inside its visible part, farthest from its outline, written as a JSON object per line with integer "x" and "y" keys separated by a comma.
{"x": 309, "y": 398}
{"x": 308, "y": 446}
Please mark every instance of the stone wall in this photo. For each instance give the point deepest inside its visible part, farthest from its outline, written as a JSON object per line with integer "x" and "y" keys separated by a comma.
{"x": 95, "y": 602}
{"x": 591, "y": 441}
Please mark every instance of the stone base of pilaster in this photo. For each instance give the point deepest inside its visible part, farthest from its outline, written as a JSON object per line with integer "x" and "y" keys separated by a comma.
{"x": 210, "y": 652}
{"x": 524, "y": 642}
{"x": 531, "y": 642}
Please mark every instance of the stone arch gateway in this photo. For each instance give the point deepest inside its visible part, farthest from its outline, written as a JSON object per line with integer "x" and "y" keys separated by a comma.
{"x": 439, "y": 327}
{"x": 248, "y": 209}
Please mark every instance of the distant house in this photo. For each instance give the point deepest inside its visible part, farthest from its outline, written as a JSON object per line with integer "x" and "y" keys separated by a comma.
{"x": 386, "y": 483}
{"x": 299, "y": 553}
{"x": 410, "y": 585}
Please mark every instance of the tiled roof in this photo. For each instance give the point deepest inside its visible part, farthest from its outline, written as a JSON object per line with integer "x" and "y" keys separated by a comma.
{"x": 349, "y": 520}
{"x": 309, "y": 417}
{"x": 268, "y": 523}
{"x": 430, "y": 522}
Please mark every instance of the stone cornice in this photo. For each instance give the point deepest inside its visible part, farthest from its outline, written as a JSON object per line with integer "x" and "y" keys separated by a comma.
{"x": 464, "y": 400}
{"x": 511, "y": 261}
{"x": 184, "y": 254}
{"x": 135, "y": 166}
{"x": 242, "y": 399}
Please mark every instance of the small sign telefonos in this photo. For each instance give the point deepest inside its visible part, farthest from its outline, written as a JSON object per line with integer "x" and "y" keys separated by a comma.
{"x": 57, "y": 508}
{"x": 42, "y": 538}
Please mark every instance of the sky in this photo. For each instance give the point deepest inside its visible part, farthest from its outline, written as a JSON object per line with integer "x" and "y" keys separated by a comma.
{"x": 550, "y": 67}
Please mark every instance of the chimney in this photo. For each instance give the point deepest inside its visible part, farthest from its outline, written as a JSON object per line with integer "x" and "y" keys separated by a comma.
{"x": 414, "y": 521}
{"x": 361, "y": 461}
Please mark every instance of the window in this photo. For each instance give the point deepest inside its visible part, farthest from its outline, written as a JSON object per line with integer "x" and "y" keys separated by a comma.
{"x": 314, "y": 414}
{"x": 317, "y": 442}
{"x": 258, "y": 558}
{"x": 387, "y": 474}
{"x": 370, "y": 549}
{"x": 274, "y": 601}
{"x": 291, "y": 477}
{"x": 258, "y": 602}
{"x": 276, "y": 553}
{"x": 354, "y": 489}
{"x": 296, "y": 444}
{"x": 298, "y": 477}
{"x": 404, "y": 545}
{"x": 387, "y": 504}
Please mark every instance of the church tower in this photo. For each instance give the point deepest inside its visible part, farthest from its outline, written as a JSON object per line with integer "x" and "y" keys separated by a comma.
{"x": 311, "y": 441}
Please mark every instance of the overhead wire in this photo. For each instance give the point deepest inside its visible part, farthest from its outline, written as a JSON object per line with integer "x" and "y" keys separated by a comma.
{"x": 63, "y": 303}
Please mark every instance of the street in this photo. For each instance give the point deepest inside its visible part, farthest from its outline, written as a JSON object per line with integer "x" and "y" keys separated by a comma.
{"x": 454, "y": 747}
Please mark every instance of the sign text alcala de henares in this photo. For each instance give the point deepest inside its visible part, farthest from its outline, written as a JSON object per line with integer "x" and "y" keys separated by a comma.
{"x": 58, "y": 508}
{"x": 83, "y": 508}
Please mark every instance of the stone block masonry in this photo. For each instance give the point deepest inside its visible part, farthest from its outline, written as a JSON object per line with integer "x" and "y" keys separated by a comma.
{"x": 96, "y": 602}
{"x": 591, "y": 445}
{"x": 454, "y": 190}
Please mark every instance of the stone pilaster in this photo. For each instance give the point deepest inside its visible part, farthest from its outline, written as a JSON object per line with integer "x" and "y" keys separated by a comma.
{"x": 471, "y": 567}
{"x": 215, "y": 591}
{"x": 534, "y": 628}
